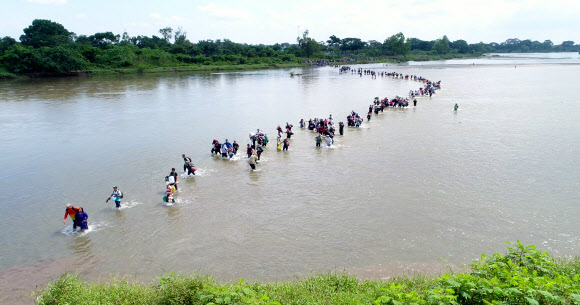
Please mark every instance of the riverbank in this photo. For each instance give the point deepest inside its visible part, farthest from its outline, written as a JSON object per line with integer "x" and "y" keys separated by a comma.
{"x": 4, "y": 75}
{"x": 263, "y": 66}
{"x": 226, "y": 67}
{"x": 523, "y": 275}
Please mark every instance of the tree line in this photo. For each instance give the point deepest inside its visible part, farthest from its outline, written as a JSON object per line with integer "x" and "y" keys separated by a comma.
{"x": 48, "y": 47}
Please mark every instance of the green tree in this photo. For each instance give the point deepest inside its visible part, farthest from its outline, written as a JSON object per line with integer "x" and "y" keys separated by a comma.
{"x": 125, "y": 39}
{"x": 118, "y": 56}
{"x": 152, "y": 42}
{"x": 441, "y": 46}
{"x": 61, "y": 59}
{"x": 307, "y": 45}
{"x": 20, "y": 59}
{"x": 352, "y": 44}
{"x": 180, "y": 36}
{"x": 333, "y": 41}
{"x": 103, "y": 40}
{"x": 460, "y": 45}
{"x": 208, "y": 47}
{"x": 547, "y": 45}
{"x": 45, "y": 33}
{"x": 398, "y": 45}
{"x": 7, "y": 42}
{"x": 89, "y": 52}
{"x": 167, "y": 33}
{"x": 421, "y": 45}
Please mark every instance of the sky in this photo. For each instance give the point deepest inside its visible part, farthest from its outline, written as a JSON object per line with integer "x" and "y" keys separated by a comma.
{"x": 269, "y": 22}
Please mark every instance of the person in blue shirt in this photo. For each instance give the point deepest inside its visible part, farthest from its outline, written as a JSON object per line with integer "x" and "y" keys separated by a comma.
{"x": 227, "y": 144}
{"x": 82, "y": 219}
{"x": 116, "y": 196}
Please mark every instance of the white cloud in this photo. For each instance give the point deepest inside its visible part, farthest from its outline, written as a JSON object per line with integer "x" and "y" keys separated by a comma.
{"x": 81, "y": 16}
{"x": 155, "y": 16}
{"x": 55, "y": 2}
{"x": 213, "y": 10}
{"x": 177, "y": 19}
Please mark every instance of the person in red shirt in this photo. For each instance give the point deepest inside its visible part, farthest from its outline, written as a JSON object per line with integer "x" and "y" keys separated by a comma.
{"x": 72, "y": 211}
{"x": 169, "y": 192}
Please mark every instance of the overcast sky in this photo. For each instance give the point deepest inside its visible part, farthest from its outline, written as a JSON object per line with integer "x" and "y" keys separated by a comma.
{"x": 268, "y": 22}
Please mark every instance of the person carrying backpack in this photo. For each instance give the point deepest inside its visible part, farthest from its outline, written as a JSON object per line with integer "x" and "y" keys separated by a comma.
{"x": 116, "y": 196}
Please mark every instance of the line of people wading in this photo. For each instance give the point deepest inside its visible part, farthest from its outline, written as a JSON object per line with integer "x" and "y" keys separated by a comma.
{"x": 324, "y": 129}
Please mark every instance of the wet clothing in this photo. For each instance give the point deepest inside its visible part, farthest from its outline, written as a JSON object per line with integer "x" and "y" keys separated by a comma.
{"x": 174, "y": 174}
{"x": 82, "y": 219}
{"x": 191, "y": 170}
{"x": 72, "y": 212}
{"x": 187, "y": 165}
{"x": 169, "y": 193}
{"x": 117, "y": 195}
{"x": 224, "y": 151}
{"x": 253, "y": 161}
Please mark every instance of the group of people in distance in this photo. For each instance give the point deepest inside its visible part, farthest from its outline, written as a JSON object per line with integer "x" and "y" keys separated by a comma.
{"x": 324, "y": 128}
{"x": 354, "y": 120}
{"x": 225, "y": 149}
{"x": 284, "y": 144}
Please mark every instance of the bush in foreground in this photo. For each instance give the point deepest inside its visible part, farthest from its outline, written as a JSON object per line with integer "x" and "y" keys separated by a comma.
{"x": 522, "y": 276}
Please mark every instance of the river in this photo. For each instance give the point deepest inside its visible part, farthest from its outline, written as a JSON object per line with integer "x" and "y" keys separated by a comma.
{"x": 412, "y": 188}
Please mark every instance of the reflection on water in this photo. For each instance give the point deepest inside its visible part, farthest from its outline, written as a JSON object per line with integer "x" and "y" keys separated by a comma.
{"x": 411, "y": 187}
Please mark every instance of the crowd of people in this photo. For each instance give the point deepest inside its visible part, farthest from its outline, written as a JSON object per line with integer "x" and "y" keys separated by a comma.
{"x": 334, "y": 62}
{"x": 324, "y": 129}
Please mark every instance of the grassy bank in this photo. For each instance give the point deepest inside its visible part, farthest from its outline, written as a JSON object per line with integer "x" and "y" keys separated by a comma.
{"x": 193, "y": 68}
{"x": 226, "y": 67}
{"x": 263, "y": 66}
{"x": 523, "y": 275}
{"x": 6, "y": 75}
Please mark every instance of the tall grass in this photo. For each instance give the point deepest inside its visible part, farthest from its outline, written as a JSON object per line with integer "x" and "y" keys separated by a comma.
{"x": 523, "y": 275}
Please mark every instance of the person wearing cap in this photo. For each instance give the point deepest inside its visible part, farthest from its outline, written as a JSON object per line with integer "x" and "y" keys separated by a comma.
{"x": 72, "y": 212}
{"x": 116, "y": 196}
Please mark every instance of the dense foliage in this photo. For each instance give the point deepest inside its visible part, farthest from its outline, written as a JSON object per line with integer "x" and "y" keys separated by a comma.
{"x": 47, "y": 47}
{"x": 522, "y": 276}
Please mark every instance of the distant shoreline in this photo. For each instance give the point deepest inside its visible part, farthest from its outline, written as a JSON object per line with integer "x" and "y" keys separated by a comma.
{"x": 232, "y": 67}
